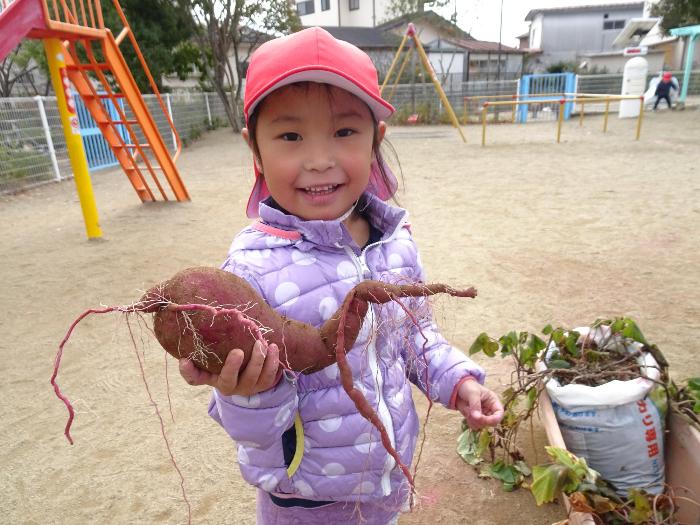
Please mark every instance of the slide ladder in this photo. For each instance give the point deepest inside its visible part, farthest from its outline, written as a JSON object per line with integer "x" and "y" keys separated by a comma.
{"x": 98, "y": 71}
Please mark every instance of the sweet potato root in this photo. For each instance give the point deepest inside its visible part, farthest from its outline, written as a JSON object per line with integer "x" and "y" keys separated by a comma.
{"x": 204, "y": 313}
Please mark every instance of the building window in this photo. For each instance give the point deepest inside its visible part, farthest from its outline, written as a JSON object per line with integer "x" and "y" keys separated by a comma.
{"x": 613, "y": 24}
{"x": 325, "y": 5}
{"x": 305, "y": 8}
{"x": 353, "y": 5}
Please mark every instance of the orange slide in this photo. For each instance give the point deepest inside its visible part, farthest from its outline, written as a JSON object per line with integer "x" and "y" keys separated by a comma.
{"x": 103, "y": 76}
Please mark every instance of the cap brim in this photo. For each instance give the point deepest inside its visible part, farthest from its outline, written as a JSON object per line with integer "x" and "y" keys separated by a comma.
{"x": 381, "y": 109}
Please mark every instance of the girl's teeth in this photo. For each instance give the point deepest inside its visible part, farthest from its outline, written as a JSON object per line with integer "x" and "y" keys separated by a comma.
{"x": 319, "y": 190}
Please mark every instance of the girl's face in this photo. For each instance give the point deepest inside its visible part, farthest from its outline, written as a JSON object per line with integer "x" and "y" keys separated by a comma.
{"x": 315, "y": 149}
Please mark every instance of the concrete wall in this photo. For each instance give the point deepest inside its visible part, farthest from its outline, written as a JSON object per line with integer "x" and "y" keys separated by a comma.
{"x": 616, "y": 63}
{"x": 536, "y": 32}
{"x": 565, "y": 36}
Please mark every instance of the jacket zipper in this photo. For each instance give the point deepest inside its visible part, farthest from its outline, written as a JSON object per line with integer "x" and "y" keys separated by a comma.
{"x": 363, "y": 272}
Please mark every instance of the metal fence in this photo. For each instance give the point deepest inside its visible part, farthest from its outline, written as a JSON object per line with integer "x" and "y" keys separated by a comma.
{"x": 422, "y": 99}
{"x": 33, "y": 149}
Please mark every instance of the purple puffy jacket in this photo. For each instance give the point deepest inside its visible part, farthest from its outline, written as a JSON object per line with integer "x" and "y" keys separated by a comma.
{"x": 304, "y": 437}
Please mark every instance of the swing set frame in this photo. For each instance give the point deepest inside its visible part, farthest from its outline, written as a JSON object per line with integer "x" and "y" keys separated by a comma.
{"x": 413, "y": 35}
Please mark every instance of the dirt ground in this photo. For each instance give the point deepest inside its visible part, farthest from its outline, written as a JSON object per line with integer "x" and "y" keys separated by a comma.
{"x": 597, "y": 226}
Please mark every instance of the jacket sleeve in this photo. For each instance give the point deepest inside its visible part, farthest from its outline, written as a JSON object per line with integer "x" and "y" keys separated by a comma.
{"x": 434, "y": 365}
{"x": 261, "y": 419}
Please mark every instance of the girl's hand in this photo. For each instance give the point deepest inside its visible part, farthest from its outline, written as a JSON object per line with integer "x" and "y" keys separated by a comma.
{"x": 479, "y": 405}
{"x": 262, "y": 372}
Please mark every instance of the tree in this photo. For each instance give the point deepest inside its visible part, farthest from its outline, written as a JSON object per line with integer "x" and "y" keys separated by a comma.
{"x": 227, "y": 31}
{"x": 677, "y": 13}
{"x": 18, "y": 68}
{"x": 163, "y": 33}
{"x": 398, "y": 8}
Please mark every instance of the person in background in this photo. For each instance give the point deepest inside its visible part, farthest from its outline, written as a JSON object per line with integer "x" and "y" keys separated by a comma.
{"x": 663, "y": 90}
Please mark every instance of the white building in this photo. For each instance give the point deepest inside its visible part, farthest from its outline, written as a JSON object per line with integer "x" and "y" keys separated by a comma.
{"x": 343, "y": 13}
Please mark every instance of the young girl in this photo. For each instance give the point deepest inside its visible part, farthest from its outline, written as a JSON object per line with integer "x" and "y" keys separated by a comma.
{"x": 315, "y": 121}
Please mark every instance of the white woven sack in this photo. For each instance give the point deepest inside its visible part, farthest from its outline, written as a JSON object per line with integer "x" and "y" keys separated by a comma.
{"x": 614, "y": 426}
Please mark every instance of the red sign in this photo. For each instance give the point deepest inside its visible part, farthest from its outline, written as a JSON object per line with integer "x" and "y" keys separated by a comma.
{"x": 630, "y": 51}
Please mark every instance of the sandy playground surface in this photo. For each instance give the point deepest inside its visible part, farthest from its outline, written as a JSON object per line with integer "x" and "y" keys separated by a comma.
{"x": 596, "y": 226}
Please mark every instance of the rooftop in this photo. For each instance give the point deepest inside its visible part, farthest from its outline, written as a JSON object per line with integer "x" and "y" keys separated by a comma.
{"x": 365, "y": 37}
{"x": 483, "y": 46}
{"x": 584, "y": 8}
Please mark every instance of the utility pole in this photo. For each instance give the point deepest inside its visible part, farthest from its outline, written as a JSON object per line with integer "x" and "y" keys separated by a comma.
{"x": 500, "y": 31}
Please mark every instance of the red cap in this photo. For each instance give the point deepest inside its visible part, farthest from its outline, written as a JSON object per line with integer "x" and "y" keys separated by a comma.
{"x": 313, "y": 55}
{"x": 667, "y": 75}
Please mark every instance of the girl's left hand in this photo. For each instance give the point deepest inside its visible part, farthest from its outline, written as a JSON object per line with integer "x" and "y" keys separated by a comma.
{"x": 479, "y": 405}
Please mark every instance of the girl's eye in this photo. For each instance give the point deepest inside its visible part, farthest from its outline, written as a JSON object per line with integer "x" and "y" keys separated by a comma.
{"x": 345, "y": 132}
{"x": 291, "y": 136}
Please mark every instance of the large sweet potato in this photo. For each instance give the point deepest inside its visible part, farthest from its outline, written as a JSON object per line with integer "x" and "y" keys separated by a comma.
{"x": 233, "y": 315}
{"x": 237, "y": 319}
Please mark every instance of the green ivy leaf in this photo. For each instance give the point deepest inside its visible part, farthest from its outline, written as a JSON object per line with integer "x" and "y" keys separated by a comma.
{"x": 558, "y": 364}
{"x": 483, "y": 343}
{"x": 547, "y": 329}
{"x": 632, "y": 331}
{"x": 641, "y": 509}
{"x": 531, "y": 397}
{"x": 509, "y": 475}
{"x": 523, "y": 468}
{"x": 570, "y": 343}
{"x": 491, "y": 348}
{"x": 478, "y": 344}
{"x": 569, "y": 460}
{"x": 547, "y": 482}
{"x": 468, "y": 446}
{"x": 557, "y": 336}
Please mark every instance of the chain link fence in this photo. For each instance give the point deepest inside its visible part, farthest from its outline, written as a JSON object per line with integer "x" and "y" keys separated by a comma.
{"x": 421, "y": 103}
{"x": 33, "y": 148}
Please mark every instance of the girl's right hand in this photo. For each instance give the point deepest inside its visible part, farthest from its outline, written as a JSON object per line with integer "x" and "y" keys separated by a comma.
{"x": 262, "y": 372}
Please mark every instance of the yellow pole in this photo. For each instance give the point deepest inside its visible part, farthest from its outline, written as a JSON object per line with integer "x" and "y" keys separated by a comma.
{"x": 607, "y": 110}
{"x": 484, "y": 109}
{"x": 429, "y": 69}
{"x": 559, "y": 120}
{"x": 580, "y": 120}
{"x": 71, "y": 129}
{"x": 393, "y": 63}
{"x": 398, "y": 77}
{"x": 466, "y": 110}
{"x": 512, "y": 117}
{"x": 641, "y": 115}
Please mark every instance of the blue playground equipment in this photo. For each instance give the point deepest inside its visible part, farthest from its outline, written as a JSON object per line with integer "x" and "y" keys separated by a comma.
{"x": 533, "y": 87}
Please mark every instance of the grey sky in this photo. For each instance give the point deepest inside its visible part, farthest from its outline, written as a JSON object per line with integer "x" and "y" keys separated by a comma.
{"x": 481, "y": 17}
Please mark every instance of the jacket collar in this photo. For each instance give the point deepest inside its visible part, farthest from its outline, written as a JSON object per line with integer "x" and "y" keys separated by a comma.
{"x": 387, "y": 219}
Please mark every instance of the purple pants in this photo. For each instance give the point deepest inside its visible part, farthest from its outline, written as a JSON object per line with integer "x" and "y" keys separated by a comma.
{"x": 381, "y": 512}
